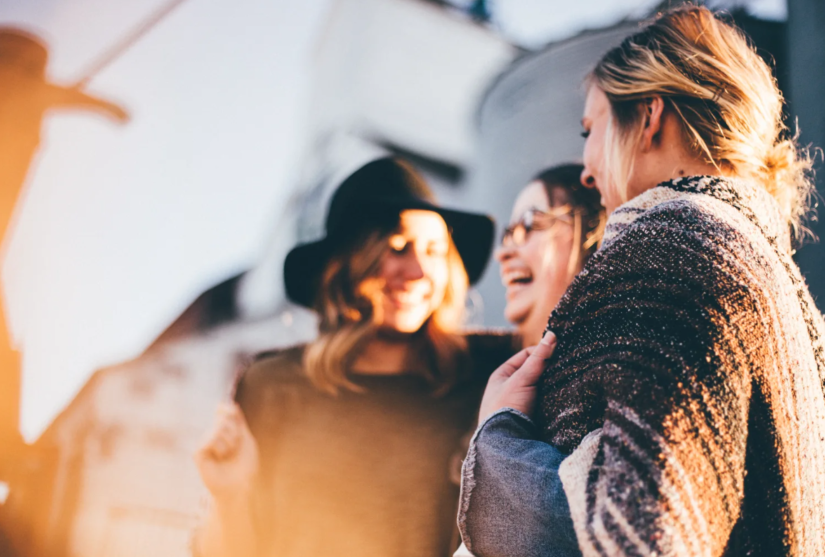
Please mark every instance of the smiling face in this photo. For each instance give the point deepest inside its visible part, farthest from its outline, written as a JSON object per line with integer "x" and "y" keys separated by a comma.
{"x": 536, "y": 273}
{"x": 414, "y": 271}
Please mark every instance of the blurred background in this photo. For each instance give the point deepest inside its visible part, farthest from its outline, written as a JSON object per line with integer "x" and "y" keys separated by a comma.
{"x": 142, "y": 263}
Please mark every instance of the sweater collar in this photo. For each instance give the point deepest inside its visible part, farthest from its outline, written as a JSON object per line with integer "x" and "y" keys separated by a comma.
{"x": 754, "y": 202}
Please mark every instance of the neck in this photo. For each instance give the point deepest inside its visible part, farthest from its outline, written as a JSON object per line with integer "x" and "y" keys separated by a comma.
{"x": 383, "y": 357}
{"x": 668, "y": 172}
{"x": 692, "y": 168}
{"x": 669, "y": 158}
{"x": 532, "y": 329}
{"x": 529, "y": 337}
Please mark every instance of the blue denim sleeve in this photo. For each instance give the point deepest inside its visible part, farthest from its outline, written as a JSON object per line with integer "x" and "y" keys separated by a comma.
{"x": 512, "y": 500}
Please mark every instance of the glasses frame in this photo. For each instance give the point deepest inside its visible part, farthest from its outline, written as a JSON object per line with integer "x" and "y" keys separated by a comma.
{"x": 517, "y": 233}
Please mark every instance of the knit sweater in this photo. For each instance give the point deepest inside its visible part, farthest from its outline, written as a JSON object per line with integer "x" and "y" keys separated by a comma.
{"x": 689, "y": 380}
{"x": 366, "y": 474}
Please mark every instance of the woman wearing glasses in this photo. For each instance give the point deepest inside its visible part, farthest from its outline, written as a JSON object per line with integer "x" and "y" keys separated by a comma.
{"x": 556, "y": 225}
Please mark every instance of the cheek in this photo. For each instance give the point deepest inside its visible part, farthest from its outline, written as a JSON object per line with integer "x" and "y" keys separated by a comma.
{"x": 553, "y": 261}
{"x": 593, "y": 153}
{"x": 440, "y": 277}
{"x": 533, "y": 254}
{"x": 389, "y": 267}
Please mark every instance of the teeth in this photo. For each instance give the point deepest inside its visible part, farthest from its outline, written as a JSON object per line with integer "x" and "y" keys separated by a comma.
{"x": 510, "y": 277}
{"x": 406, "y": 298}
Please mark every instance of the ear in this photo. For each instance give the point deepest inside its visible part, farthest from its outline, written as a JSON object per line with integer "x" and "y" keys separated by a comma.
{"x": 654, "y": 110}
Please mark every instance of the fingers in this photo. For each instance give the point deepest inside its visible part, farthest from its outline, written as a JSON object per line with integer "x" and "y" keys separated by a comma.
{"x": 226, "y": 434}
{"x": 509, "y": 367}
{"x": 533, "y": 366}
{"x": 532, "y": 356}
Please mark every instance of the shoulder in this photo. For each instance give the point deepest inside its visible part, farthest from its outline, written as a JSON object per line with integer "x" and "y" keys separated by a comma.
{"x": 480, "y": 341}
{"x": 686, "y": 228}
{"x": 269, "y": 371}
{"x": 686, "y": 250}
{"x": 678, "y": 216}
{"x": 711, "y": 211}
{"x": 488, "y": 349}
{"x": 282, "y": 356}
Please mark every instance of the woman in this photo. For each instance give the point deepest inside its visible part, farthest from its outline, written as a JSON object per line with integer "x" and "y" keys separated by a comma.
{"x": 682, "y": 412}
{"x": 555, "y": 227}
{"x": 343, "y": 447}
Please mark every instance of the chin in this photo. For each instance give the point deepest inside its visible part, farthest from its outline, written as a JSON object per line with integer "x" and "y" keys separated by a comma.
{"x": 515, "y": 315}
{"x": 404, "y": 324}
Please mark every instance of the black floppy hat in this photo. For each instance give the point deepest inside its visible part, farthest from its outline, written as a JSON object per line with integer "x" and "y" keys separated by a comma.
{"x": 372, "y": 197}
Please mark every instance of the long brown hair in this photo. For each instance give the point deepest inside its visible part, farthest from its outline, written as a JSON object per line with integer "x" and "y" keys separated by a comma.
{"x": 567, "y": 195}
{"x": 350, "y": 316}
{"x": 723, "y": 94}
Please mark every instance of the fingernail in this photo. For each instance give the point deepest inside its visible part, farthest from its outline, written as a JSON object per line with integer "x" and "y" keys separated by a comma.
{"x": 549, "y": 338}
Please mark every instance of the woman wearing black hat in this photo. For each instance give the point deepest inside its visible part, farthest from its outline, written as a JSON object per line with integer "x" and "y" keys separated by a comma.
{"x": 344, "y": 446}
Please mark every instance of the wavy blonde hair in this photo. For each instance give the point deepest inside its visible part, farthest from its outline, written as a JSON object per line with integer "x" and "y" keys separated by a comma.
{"x": 349, "y": 306}
{"x": 723, "y": 94}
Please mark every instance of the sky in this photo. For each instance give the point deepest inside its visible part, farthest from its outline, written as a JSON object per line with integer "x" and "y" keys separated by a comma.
{"x": 121, "y": 227}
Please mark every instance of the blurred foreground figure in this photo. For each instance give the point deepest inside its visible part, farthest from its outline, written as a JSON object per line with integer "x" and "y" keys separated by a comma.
{"x": 25, "y": 97}
{"x": 682, "y": 412}
{"x": 345, "y": 446}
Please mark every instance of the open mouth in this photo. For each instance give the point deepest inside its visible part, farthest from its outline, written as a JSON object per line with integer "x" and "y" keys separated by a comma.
{"x": 516, "y": 277}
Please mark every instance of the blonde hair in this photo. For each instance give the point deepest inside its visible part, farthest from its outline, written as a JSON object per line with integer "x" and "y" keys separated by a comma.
{"x": 349, "y": 307}
{"x": 724, "y": 95}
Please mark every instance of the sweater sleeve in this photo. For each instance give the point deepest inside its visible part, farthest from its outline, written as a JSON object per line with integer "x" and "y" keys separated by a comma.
{"x": 512, "y": 501}
{"x": 656, "y": 349}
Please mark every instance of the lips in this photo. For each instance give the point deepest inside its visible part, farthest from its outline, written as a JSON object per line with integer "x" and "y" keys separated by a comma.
{"x": 406, "y": 300}
{"x": 513, "y": 277}
{"x": 515, "y": 281}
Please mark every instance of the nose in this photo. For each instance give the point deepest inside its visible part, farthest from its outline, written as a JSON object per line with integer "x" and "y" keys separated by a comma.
{"x": 412, "y": 268}
{"x": 504, "y": 252}
{"x": 587, "y": 179}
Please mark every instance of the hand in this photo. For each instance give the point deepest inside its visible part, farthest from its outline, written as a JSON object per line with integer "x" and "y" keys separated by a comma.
{"x": 228, "y": 459}
{"x": 513, "y": 384}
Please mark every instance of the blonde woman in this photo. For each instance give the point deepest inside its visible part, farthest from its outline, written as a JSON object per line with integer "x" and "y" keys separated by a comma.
{"x": 679, "y": 405}
{"x": 343, "y": 447}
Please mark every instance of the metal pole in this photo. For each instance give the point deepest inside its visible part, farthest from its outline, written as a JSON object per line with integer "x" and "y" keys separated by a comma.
{"x": 116, "y": 50}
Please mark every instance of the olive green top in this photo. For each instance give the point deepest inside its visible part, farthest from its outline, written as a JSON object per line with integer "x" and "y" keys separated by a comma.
{"x": 370, "y": 474}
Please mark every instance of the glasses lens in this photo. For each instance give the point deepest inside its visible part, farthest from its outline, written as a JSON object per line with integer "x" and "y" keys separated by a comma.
{"x": 516, "y": 234}
{"x": 506, "y": 236}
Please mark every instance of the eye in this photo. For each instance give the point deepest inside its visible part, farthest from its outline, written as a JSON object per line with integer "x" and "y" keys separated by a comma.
{"x": 437, "y": 250}
{"x": 398, "y": 244}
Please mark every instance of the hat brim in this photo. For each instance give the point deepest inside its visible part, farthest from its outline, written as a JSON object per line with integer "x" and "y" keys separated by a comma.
{"x": 472, "y": 234}
{"x": 57, "y": 96}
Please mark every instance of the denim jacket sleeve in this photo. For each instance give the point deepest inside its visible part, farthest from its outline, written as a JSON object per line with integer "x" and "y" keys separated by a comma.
{"x": 512, "y": 500}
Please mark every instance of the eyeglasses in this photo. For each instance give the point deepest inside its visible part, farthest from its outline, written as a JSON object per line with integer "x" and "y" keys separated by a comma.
{"x": 516, "y": 234}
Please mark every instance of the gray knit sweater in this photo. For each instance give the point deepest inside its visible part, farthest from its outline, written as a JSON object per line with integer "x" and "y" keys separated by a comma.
{"x": 689, "y": 380}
